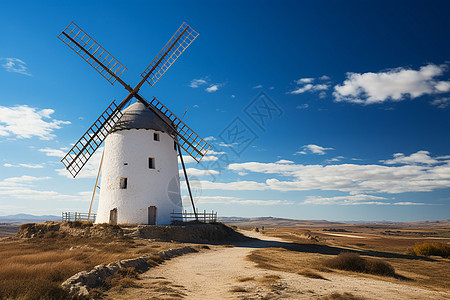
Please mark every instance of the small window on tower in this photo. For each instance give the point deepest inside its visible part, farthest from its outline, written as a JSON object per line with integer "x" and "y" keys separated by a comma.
{"x": 175, "y": 146}
{"x": 151, "y": 163}
{"x": 156, "y": 136}
{"x": 123, "y": 182}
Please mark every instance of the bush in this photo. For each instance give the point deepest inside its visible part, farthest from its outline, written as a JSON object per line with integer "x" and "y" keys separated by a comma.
{"x": 427, "y": 249}
{"x": 354, "y": 262}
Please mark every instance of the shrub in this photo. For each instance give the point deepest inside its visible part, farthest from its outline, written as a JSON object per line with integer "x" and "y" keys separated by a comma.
{"x": 344, "y": 296}
{"x": 354, "y": 262}
{"x": 427, "y": 249}
{"x": 310, "y": 274}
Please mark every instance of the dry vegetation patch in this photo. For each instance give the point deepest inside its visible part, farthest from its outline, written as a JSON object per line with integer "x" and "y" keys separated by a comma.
{"x": 354, "y": 262}
{"x": 310, "y": 274}
{"x": 342, "y": 296}
{"x": 35, "y": 268}
{"x": 428, "y": 249}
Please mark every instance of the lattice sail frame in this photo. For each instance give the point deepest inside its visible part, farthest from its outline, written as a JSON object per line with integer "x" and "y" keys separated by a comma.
{"x": 182, "y": 38}
{"x": 190, "y": 141}
{"x": 80, "y": 153}
{"x": 90, "y": 45}
{"x": 111, "y": 69}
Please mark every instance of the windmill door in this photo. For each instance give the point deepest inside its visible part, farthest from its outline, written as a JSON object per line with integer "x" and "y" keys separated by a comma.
{"x": 152, "y": 215}
{"x": 113, "y": 216}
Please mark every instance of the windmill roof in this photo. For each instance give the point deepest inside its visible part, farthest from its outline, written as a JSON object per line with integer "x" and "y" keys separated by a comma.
{"x": 138, "y": 116}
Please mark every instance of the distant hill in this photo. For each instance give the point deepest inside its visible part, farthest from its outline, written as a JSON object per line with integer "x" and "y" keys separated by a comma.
{"x": 281, "y": 222}
{"x": 271, "y": 221}
{"x": 27, "y": 218}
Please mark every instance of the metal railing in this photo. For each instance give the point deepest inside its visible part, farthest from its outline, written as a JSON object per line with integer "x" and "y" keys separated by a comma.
{"x": 204, "y": 217}
{"x": 76, "y": 216}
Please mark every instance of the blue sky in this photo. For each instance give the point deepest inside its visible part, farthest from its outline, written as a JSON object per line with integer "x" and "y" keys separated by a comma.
{"x": 341, "y": 108}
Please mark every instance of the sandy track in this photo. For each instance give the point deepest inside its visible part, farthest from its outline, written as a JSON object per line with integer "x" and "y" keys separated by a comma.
{"x": 214, "y": 274}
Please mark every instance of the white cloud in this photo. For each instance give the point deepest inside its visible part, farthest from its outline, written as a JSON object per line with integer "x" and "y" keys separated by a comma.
{"x": 346, "y": 200}
{"x": 304, "y": 80}
{"x": 24, "y": 188}
{"x": 358, "y": 199}
{"x": 392, "y": 85}
{"x": 23, "y": 121}
{"x": 408, "y": 203}
{"x": 30, "y": 166}
{"x": 213, "y": 88}
{"x": 231, "y": 186}
{"x": 258, "y": 86}
{"x": 233, "y": 96}
{"x": 195, "y": 83}
{"x": 309, "y": 88}
{"x": 306, "y": 85}
{"x": 441, "y": 103}
{"x": 315, "y": 149}
{"x": 210, "y": 138}
{"x": 351, "y": 178}
{"x": 302, "y": 106}
{"x": 53, "y": 152}
{"x": 236, "y": 200}
{"x": 15, "y": 65}
{"x": 334, "y": 159}
{"x": 420, "y": 157}
{"x": 283, "y": 161}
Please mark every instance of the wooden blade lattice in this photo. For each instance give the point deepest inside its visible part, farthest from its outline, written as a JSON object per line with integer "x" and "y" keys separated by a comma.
{"x": 80, "y": 42}
{"x": 182, "y": 38}
{"x": 191, "y": 142}
{"x": 80, "y": 153}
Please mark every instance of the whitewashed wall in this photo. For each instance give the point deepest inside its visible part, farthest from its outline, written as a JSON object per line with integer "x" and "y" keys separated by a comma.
{"x": 126, "y": 155}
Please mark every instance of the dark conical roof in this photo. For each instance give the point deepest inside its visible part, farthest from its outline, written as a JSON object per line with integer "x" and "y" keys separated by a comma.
{"x": 138, "y": 116}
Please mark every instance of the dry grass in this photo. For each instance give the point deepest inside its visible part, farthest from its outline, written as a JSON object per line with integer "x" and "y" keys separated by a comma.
{"x": 310, "y": 274}
{"x": 34, "y": 268}
{"x": 238, "y": 289}
{"x": 244, "y": 279}
{"x": 422, "y": 272}
{"x": 344, "y": 296}
{"x": 270, "y": 278}
{"x": 354, "y": 262}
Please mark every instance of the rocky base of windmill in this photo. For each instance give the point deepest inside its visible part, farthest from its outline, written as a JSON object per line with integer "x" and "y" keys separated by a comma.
{"x": 81, "y": 283}
{"x": 194, "y": 232}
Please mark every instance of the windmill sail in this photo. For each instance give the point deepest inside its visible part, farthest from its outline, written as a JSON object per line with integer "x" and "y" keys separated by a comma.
{"x": 80, "y": 153}
{"x": 94, "y": 54}
{"x": 182, "y": 38}
{"x": 190, "y": 141}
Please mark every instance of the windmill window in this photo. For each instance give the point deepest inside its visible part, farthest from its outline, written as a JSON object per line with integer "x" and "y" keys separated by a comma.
{"x": 175, "y": 146}
{"x": 151, "y": 163}
{"x": 156, "y": 136}
{"x": 123, "y": 182}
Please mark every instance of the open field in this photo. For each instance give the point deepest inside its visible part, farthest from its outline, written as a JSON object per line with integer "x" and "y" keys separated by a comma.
{"x": 280, "y": 263}
{"x": 381, "y": 242}
{"x": 34, "y": 268}
{"x": 8, "y": 229}
{"x": 267, "y": 267}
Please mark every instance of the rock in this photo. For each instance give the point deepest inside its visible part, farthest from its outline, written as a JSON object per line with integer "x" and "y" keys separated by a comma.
{"x": 80, "y": 283}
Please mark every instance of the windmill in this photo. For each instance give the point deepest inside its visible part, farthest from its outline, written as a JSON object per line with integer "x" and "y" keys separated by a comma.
{"x": 140, "y": 181}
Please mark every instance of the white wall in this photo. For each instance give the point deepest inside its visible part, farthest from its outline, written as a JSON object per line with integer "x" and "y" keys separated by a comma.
{"x": 146, "y": 187}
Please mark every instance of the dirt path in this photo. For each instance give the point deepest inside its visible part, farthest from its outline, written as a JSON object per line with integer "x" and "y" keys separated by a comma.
{"x": 225, "y": 273}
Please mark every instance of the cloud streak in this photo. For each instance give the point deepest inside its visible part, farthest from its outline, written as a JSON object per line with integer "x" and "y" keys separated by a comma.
{"x": 15, "y": 65}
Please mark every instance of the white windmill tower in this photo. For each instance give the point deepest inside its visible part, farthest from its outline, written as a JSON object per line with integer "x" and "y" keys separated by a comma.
{"x": 140, "y": 182}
